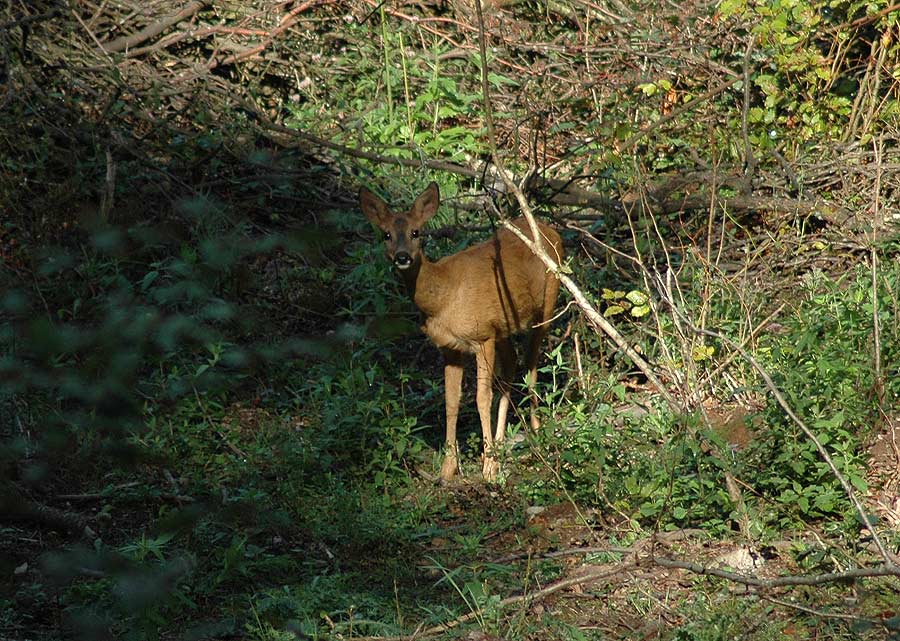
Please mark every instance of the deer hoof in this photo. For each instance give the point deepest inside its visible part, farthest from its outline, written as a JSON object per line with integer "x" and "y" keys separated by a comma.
{"x": 449, "y": 467}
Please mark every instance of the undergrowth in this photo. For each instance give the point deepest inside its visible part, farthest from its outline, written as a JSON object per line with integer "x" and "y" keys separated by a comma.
{"x": 220, "y": 419}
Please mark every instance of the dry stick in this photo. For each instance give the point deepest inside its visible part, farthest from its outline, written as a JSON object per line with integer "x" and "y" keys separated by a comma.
{"x": 565, "y": 193}
{"x": 91, "y": 34}
{"x": 24, "y": 21}
{"x": 753, "y": 334}
{"x": 819, "y": 613}
{"x": 749, "y": 158}
{"x": 860, "y": 22}
{"x": 677, "y": 375}
{"x": 582, "y": 386}
{"x": 234, "y": 448}
{"x": 582, "y": 518}
{"x": 607, "y": 572}
{"x": 587, "y": 577}
{"x": 153, "y": 30}
{"x": 779, "y": 398}
{"x": 438, "y": 165}
{"x": 107, "y": 200}
{"x": 594, "y": 317}
{"x": 286, "y": 22}
{"x": 876, "y": 327}
{"x": 886, "y": 569}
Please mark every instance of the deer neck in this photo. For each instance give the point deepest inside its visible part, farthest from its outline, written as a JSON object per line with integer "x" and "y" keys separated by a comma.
{"x": 426, "y": 284}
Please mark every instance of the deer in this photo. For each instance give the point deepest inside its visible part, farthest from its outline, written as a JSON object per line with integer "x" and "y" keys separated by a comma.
{"x": 472, "y": 302}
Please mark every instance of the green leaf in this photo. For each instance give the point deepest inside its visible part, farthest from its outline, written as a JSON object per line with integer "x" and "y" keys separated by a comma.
{"x": 637, "y": 297}
{"x": 148, "y": 279}
{"x": 858, "y": 482}
{"x": 701, "y": 353}
{"x": 729, "y": 8}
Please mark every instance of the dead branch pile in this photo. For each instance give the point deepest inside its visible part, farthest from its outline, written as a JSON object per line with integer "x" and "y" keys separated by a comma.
{"x": 136, "y": 79}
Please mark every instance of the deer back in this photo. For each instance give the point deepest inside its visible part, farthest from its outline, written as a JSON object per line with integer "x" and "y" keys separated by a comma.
{"x": 490, "y": 290}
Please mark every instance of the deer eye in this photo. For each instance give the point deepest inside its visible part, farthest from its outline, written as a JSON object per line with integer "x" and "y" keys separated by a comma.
{"x": 415, "y": 233}
{"x": 387, "y": 235}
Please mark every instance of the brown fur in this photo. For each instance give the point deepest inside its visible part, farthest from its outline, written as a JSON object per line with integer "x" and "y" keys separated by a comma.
{"x": 472, "y": 302}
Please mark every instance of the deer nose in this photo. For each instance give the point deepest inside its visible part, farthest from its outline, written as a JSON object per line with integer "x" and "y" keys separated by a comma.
{"x": 402, "y": 260}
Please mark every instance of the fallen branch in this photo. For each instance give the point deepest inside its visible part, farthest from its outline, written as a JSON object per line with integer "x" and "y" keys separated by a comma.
{"x": 595, "y": 574}
{"x": 27, "y": 21}
{"x": 152, "y": 30}
{"x": 286, "y": 22}
{"x": 16, "y": 507}
{"x": 677, "y": 113}
{"x": 637, "y": 560}
{"x": 777, "y": 582}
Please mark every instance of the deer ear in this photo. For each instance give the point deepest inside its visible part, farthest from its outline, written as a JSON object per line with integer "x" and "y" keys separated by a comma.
{"x": 375, "y": 209}
{"x": 426, "y": 205}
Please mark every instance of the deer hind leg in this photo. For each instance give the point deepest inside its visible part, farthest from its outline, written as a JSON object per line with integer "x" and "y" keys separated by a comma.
{"x": 453, "y": 375}
{"x": 506, "y": 358}
{"x": 484, "y": 365}
{"x": 542, "y": 326}
{"x": 531, "y": 359}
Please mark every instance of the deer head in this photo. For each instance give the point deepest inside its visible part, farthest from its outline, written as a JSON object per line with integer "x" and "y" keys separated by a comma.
{"x": 403, "y": 235}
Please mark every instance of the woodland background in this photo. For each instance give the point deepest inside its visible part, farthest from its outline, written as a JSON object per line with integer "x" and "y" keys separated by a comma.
{"x": 218, "y": 419}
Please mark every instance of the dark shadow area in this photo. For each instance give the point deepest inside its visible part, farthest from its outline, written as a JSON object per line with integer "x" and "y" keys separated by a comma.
{"x": 172, "y": 308}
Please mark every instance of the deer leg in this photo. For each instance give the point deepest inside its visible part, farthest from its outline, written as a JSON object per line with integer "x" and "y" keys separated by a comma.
{"x": 453, "y": 374}
{"x": 531, "y": 359}
{"x": 484, "y": 362}
{"x": 506, "y": 356}
{"x": 542, "y": 326}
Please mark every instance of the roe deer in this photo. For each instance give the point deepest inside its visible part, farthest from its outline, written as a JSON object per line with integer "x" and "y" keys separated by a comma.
{"x": 472, "y": 302}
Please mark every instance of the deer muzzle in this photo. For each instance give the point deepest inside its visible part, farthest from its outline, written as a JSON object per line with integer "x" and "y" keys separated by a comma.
{"x": 402, "y": 260}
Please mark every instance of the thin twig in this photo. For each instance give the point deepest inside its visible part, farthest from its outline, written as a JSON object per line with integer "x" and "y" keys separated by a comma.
{"x": 877, "y": 146}
{"x": 818, "y": 613}
{"x": 677, "y": 113}
{"x": 754, "y": 333}
{"x": 531, "y": 597}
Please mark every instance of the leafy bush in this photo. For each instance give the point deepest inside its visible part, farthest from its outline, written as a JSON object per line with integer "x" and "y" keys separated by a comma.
{"x": 825, "y": 364}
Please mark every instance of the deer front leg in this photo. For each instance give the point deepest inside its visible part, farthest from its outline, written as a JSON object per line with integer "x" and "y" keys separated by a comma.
{"x": 484, "y": 361}
{"x": 453, "y": 374}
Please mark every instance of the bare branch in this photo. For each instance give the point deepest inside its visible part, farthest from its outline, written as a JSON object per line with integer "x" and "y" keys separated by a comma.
{"x": 886, "y": 569}
{"x": 153, "y": 30}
